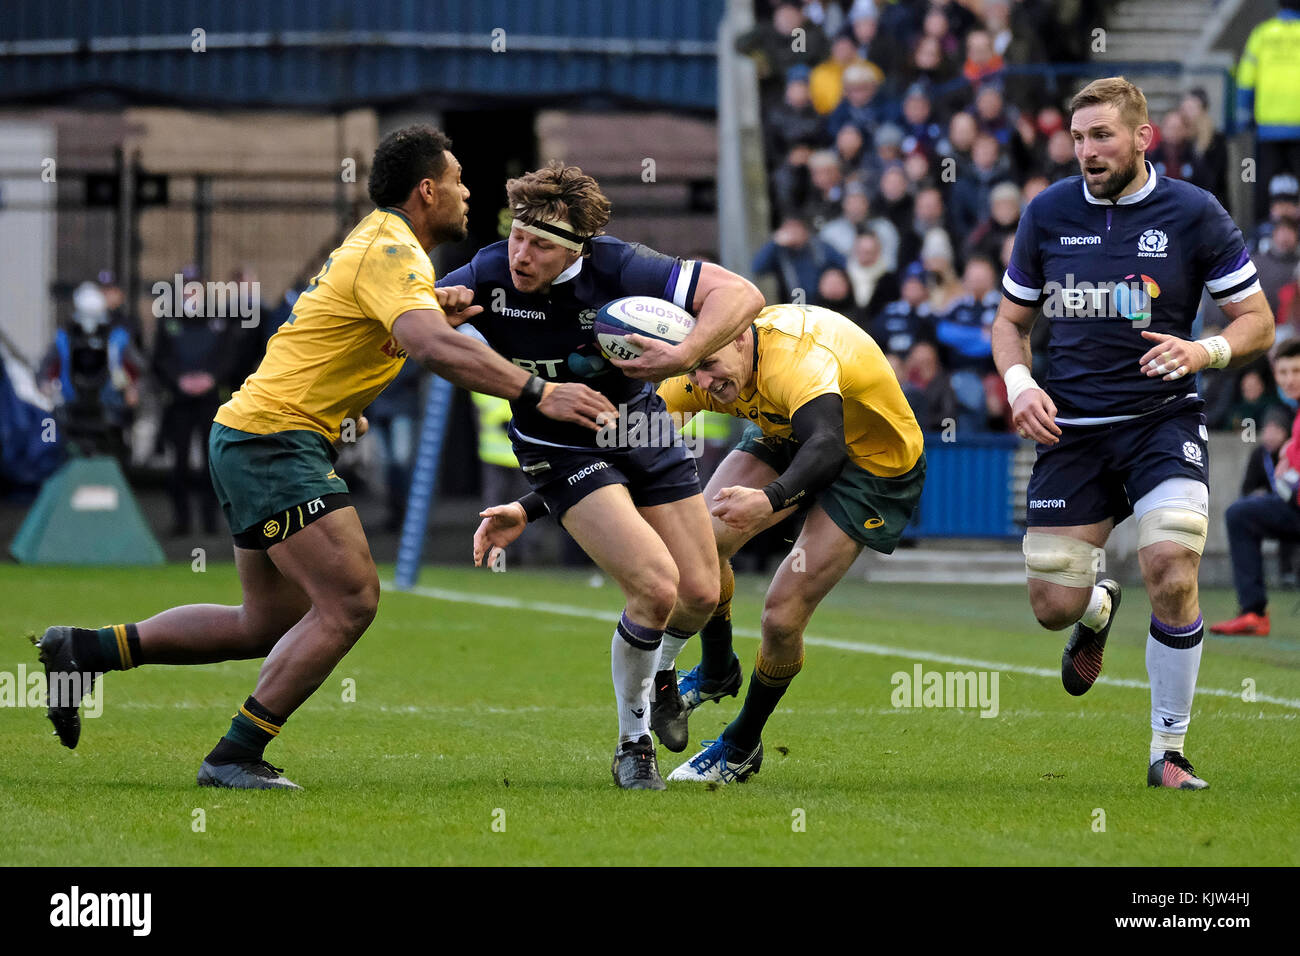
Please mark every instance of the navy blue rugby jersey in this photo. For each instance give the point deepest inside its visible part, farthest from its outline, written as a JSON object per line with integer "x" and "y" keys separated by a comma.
{"x": 1103, "y": 271}
{"x": 550, "y": 334}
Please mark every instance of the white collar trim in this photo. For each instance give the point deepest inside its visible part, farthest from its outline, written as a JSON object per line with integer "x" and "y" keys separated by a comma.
{"x": 568, "y": 273}
{"x": 1128, "y": 200}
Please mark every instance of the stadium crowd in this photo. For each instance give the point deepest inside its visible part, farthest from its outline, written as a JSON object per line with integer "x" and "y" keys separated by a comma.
{"x": 901, "y": 151}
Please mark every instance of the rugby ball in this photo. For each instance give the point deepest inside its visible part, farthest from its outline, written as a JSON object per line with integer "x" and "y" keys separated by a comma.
{"x": 641, "y": 314}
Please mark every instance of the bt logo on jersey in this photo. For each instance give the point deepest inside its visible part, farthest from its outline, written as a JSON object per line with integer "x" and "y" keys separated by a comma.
{"x": 1130, "y": 299}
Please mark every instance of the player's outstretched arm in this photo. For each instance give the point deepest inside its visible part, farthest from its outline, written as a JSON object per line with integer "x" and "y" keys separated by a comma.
{"x": 1249, "y": 335}
{"x": 467, "y": 362}
{"x": 1032, "y": 411}
{"x": 725, "y": 304}
{"x": 500, "y": 527}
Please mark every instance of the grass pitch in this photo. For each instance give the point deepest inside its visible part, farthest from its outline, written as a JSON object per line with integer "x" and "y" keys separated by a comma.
{"x": 482, "y": 729}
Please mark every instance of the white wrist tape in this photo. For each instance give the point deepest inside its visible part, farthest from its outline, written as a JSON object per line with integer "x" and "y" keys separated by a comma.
{"x": 1018, "y": 380}
{"x": 1219, "y": 349}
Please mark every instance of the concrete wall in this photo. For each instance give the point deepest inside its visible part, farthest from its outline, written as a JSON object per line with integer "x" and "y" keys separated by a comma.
{"x": 27, "y": 223}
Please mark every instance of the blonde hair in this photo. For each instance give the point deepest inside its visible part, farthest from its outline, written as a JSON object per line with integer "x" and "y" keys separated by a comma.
{"x": 1117, "y": 92}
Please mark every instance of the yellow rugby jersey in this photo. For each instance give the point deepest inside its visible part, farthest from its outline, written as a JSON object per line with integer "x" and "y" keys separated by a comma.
{"x": 337, "y": 352}
{"x": 806, "y": 351}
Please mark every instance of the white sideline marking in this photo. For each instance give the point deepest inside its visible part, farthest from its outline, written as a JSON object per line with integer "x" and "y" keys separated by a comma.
{"x": 880, "y": 650}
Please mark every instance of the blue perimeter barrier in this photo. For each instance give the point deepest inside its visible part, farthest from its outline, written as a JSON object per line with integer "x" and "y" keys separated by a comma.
{"x": 969, "y": 489}
{"x": 424, "y": 483}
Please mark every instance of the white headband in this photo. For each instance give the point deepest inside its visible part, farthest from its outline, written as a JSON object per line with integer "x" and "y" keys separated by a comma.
{"x": 556, "y": 231}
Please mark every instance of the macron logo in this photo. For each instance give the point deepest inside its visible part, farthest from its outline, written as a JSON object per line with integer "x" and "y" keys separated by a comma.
{"x": 522, "y": 313}
{"x": 1080, "y": 240}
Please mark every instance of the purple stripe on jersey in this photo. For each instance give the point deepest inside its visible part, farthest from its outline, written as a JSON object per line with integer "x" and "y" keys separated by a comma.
{"x": 671, "y": 286}
{"x": 1020, "y": 278}
{"x": 1236, "y": 264}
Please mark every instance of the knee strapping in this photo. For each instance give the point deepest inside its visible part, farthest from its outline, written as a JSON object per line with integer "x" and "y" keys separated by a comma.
{"x": 1180, "y": 525}
{"x": 1060, "y": 559}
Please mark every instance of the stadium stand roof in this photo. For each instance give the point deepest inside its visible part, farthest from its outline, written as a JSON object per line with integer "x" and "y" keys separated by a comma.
{"x": 346, "y": 53}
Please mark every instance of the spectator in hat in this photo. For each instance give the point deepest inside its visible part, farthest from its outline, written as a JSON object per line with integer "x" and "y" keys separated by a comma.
{"x": 864, "y": 27}
{"x": 987, "y": 238}
{"x": 888, "y": 151}
{"x": 1283, "y": 203}
{"x": 991, "y": 113}
{"x": 859, "y": 105}
{"x": 921, "y": 132}
{"x": 908, "y": 319}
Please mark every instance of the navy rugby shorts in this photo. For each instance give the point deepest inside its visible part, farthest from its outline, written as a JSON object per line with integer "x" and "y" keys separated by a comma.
{"x": 655, "y": 472}
{"x": 1097, "y": 471}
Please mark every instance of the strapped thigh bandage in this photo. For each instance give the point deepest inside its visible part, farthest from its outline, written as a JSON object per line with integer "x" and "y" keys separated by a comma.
{"x": 1175, "y": 510}
{"x": 1060, "y": 559}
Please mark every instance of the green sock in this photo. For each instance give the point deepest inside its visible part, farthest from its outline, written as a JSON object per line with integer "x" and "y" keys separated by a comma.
{"x": 251, "y": 729}
{"x": 112, "y": 648}
{"x": 767, "y": 685}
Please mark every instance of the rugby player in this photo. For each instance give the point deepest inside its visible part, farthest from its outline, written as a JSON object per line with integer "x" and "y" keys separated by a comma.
{"x": 1117, "y": 257}
{"x": 827, "y": 429}
{"x": 637, "y": 511}
{"x": 309, "y": 584}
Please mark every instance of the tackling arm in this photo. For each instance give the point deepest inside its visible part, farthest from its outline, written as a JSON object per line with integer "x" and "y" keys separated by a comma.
{"x": 467, "y": 362}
